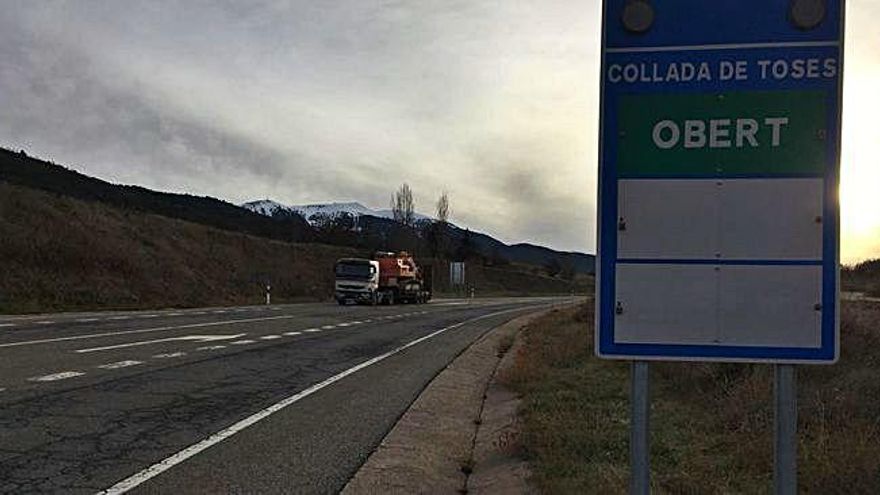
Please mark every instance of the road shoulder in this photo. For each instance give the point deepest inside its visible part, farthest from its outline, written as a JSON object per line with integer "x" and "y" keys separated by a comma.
{"x": 455, "y": 437}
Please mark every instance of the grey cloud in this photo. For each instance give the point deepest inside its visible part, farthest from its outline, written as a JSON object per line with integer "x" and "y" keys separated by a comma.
{"x": 313, "y": 101}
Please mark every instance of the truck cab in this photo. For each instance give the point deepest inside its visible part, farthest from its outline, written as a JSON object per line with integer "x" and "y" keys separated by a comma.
{"x": 357, "y": 280}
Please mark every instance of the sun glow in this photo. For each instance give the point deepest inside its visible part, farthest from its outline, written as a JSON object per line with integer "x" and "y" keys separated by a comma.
{"x": 860, "y": 166}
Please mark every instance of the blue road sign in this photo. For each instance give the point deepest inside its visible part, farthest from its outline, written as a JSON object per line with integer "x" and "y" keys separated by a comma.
{"x": 719, "y": 170}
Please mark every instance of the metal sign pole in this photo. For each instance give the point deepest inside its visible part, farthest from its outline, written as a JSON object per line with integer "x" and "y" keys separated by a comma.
{"x": 640, "y": 416}
{"x": 785, "y": 445}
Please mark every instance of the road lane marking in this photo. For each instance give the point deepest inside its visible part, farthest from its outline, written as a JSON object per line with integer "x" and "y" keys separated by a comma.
{"x": 56, "y": 376}
{"x": 146, "y": 330}
{"x": 200, "y": 338}
{"x": 2, "y": 389}
{"x": 118, "y": 318}
{"x": 197, "y": 313}
{"x": 270, "y": 337}
{"x": 344, "y": 325}
{"x": 312, "y": 330}
{"x": 169, "y": 355}
{"x": 166, "y": 464}
{"x": 148, "y": 316}
{"x": 174, "y": 314}
{"x": 219, "y": 311}
{"x": 292, "y": 334}
{"x": 210, "y": 347}
{"x": 356, "y": 322}
{"x": 243, "y": 342}
{"x": 5, "y": 325}
{"x": 45, "y": 322}
{"x": 87, "y": 320}
{"x": 327, "y": 327}
{"x": 368, "y": 321}
{"x": 119, "y": 364}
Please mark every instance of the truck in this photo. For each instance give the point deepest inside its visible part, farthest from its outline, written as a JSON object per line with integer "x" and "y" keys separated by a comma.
{"x": 387, "y": 278}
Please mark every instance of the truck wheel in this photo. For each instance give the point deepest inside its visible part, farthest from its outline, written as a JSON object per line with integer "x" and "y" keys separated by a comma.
{"x": 374, "y": 299}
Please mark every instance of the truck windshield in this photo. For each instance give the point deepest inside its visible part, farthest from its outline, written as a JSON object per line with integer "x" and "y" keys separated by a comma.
{"x": 352, "y": 270}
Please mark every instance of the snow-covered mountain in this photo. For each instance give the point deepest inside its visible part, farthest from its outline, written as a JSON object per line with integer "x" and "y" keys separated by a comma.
{"x": 322, "y": 210}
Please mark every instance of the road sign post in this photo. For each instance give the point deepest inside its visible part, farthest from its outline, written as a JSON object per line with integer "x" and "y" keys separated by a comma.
{"x": 718, "y": 178}
{"x": 640, "y": 431}
{"x": 785, "y": 430}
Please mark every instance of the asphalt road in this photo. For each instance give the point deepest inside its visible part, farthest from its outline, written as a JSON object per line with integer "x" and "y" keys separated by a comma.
{"x": 263, "y": 399}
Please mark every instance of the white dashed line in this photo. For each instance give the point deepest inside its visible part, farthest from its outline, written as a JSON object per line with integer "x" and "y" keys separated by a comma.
{"x": 117, "y": 318}
{"x": 4, "y": 325}
{"x": 219, "y": 311}
{"x": 356, "y": 322}
{"x": 275, "y": 309}
{"x": 327, "y": 327}
{"x": 174, "y": 314}
{"x": 57, "y": 376}
{"x": 211, "y": 348}
{"x": 45, "y": 322}
{"x": 312, "y": 330}
{"x": 148, "y": 316}
{"x": 243, "y": 342}
{"x": 119, "y": 364}
{"x": 270, "y": 337}
{"x": 292, "y": 334}
{"x": 368, "y": 321}
{"x": 2, "y": 389}
{"x": 344, "y": 325}
{"x": 170, "y": 355}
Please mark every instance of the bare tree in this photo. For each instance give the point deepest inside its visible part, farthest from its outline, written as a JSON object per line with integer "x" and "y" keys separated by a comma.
{"x": 443, "y": 208}
{"x": 403, "y": 206}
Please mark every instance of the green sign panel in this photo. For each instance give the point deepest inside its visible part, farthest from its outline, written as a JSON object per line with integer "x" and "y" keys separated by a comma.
{"x": 741, "y": 133}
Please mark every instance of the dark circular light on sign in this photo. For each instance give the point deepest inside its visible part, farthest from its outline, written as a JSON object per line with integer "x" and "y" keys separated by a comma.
{"x": 638, "y": 16}
{"x": 807, "y": 14}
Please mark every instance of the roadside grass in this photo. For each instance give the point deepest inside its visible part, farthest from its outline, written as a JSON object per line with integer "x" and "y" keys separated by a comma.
{"x": 711, "y": 424}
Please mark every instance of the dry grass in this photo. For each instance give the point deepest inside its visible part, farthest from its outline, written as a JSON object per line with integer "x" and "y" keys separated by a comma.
{"x": 712, "y": 424}
{"x": 61, "y": 253}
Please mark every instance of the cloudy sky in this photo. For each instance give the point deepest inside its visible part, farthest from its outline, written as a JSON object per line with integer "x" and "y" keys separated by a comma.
{"x": 314, "y": 101}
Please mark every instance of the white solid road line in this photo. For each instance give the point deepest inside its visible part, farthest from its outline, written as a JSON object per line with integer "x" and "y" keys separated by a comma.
{"x": 292, "y": 334}
{"x": 270, "y": 337}
{"x": 200, "y": 338}
{"x": 146, "y": 330}
{"x": 166, "y": 464}
{"x": 243, "y": 342}
{"x": 56, "y": 376}
{"x": 119, "y": 364}
{"x": 169, "y": 355}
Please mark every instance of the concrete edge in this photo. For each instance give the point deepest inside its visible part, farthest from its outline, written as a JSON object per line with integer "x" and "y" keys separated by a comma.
{"x": 432, "y": 447}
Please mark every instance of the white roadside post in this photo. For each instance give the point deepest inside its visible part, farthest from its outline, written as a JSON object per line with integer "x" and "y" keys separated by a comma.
{"x": 268, "y": 294}
{"x": 718, "y": 217}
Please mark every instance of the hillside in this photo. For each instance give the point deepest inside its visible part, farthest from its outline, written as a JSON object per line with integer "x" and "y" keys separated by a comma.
{"x": 341, "y": 224}
{"x": 62, "y": 253}
{"x": 21, "y": 169}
